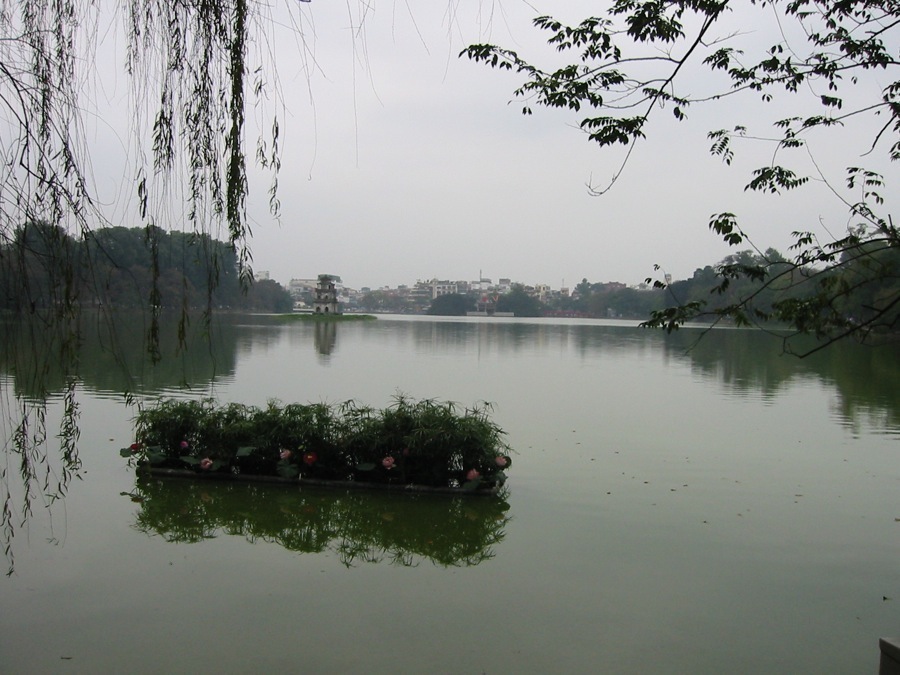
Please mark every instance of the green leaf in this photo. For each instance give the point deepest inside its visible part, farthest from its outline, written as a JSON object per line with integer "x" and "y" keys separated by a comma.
{"x": 245, "y": 451}
{"x": 126, "y": 452}
{"x": 286, "y": 470}
{"x": 193, "y": 461}
{"x": 156, "y": 457}
{"x": 365, "y": 466}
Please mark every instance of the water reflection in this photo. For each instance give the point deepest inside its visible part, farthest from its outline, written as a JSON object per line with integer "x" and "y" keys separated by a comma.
{"x": 751, "y": 363}
{"x": 748, "y": 363}
{"x": 112, "y": 359}
{"x": 108, "y": 355}
{"x": 357, "y": 526}
{"x": 325, "y": 337}
{"x": 511, "y": 337}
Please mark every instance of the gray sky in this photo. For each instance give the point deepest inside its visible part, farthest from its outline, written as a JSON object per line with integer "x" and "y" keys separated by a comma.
{"x": 402, "y": 161}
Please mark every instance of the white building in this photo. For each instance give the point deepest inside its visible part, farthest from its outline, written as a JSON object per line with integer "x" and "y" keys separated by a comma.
{"x": 439, "y": 288}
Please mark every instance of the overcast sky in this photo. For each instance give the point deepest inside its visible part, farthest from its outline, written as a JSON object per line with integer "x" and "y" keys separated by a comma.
{"x": 402, "y": 161}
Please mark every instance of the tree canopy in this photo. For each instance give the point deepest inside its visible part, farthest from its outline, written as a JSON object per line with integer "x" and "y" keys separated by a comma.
{"x": 115, "y": 267}
{"x": 452, "y": 304}
{"x": 636, "y": 60}
{"x": 519, "y": 302}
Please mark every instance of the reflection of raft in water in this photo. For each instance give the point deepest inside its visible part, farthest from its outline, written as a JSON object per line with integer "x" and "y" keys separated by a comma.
{"x": 359, "y": 526}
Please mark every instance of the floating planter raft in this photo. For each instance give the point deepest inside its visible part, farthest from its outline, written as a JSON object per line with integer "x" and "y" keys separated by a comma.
{"x": 424, "y": 446}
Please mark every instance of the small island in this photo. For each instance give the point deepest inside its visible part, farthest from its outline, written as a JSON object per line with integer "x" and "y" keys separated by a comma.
{"x": 323, "y": 318}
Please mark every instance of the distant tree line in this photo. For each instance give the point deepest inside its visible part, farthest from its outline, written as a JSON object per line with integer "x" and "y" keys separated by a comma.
{"x": 517, "y": 300}
{"x": 128, "y": 268}
{"x": 757, "y": 288}
{"x": 746, "y": 284}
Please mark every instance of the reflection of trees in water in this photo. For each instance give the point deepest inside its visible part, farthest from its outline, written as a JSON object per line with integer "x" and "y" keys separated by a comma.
{"x": 749, "y": 361}
{"x": 109, "y": 356}
{"x": 359, "y": 526}
{"x": 752, "y": 363}
{"x": 495, "y": 336}
{"x": 98, "y": 352}
{"x": 866, "y": 379}
{"x": 745, "y": 362}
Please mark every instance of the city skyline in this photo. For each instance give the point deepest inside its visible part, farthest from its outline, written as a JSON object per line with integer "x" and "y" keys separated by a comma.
{"x": 491, "y": 282}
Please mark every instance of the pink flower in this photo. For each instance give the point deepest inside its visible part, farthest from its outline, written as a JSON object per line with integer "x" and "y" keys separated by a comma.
{"x": 388, "y": 463}
{"x": 206, "y": 463}
{"x": 184, "y": 445}
{"x": 473, "y": 474}
{"x": 135, "y": 447}
{"x": 309, "y": 458}
{"x": 501, "y": 461}
{"x": 285, "y": 454}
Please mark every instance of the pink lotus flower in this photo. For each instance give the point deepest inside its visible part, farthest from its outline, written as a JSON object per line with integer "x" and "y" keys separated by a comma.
{"x": 388, "y": 463}
{"x": 501, "y": 461}
{"x": 285, "y": 454}
{"x": 309, "y": 458}
{"x": 206, "y": 463}
{"x": 473, "y": 474}
{"x": 184, "y": 445}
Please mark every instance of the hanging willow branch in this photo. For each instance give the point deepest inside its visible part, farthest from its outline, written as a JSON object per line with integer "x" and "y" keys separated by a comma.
{"x": 188, "y": 62}
{"x": 196, "y": 54}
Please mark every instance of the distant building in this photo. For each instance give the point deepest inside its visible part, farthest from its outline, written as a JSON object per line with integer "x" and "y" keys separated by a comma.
{"x": 419, "y": 297}
{"x": 327, "y": 295}
{"x": 439, "y": 288}
{"x": 483, "y": 284}
{"x": 300, "y": 287}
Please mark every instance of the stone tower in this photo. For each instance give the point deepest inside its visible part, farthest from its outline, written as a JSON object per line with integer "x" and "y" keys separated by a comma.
{"x": 326, "y": 295}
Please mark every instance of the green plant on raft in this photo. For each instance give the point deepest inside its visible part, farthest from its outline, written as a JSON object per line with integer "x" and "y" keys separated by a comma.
{"x": 427, "y": 442}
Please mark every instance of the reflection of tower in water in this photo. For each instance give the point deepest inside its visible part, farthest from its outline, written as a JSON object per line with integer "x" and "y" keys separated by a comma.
{"x": 325, "y": 337}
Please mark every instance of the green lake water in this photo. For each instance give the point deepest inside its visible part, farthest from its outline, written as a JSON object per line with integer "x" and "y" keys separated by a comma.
{"x": 672, "y": 507}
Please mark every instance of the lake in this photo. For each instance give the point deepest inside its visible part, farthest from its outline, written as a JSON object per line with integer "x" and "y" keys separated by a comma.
{"x": 673, "y": 506}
